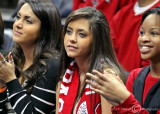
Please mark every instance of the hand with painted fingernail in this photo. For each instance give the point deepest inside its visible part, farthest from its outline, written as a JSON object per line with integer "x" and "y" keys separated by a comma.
{"x": 7, "y": 68}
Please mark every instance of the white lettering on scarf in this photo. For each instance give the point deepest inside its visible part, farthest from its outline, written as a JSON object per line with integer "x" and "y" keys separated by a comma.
{"x": 61, "y": 102}
{"x": 70, "y": 78}
{"x": 64, "y": 89}
{"x": 89, "y": 92}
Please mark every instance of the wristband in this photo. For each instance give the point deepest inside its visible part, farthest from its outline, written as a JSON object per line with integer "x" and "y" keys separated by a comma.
{"x": 2, "y": 89}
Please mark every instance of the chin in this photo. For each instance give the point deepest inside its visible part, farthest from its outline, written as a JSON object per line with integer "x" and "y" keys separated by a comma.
{"x": 145, "y": 57}
{"x": 16, "y": 39}
{"x": 70, "y": 55}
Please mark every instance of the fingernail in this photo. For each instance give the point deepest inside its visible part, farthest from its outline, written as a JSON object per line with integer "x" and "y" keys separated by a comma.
{"x": 105, "y": 72}
{"x": 10, "y": 53}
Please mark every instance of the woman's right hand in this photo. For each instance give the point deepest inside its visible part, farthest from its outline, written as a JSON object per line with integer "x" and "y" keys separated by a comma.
{"x": 109, "y": 85}
{"x": 7, "y": 68}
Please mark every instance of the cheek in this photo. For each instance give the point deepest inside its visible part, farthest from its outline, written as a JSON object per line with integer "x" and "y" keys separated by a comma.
{"x": 157, "y": 45}
{"x": 87, "y": 48}
{"x": 138, "y": 41}
{"x": 32, "y": 32}
{"x": 65, "y": 40}
{"x": 14, "y": 26}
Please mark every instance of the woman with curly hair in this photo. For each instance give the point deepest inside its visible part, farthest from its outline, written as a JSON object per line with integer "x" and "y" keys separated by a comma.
{"x": 31, "y": 69}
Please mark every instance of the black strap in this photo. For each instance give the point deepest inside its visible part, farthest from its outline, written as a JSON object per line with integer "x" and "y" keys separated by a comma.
{"x": 152, "y": 100}
{"x": 138, "y": 84}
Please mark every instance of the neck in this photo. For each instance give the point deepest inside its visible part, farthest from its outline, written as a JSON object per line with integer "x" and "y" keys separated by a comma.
{"x": 28, "y": 53}
{"x": 155, "y": 69}
{"x": 143, "y": 3}
{"x": 83, "y": 65}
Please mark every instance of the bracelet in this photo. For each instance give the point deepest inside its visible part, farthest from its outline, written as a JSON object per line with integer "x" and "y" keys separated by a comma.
{"x": 2, "y": 89}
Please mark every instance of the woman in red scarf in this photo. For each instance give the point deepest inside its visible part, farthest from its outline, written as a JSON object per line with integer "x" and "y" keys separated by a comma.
{"x": 87, "y": 46}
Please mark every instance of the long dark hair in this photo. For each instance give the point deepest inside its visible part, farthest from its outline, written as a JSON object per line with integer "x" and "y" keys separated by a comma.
{"x": 101, "y": 48}
{"x": 1, "y": 31}
{"x": 47, "y": 43}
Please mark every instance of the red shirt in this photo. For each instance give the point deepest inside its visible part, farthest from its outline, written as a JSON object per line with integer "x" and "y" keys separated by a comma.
{"x": 124, "y": 32}
{"x": 131, "y": 105}
{"x": 108, "y": 7}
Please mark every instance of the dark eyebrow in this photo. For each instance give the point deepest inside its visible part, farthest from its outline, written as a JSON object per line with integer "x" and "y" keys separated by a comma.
{"x": 26, "y": 17}
{"x": 155, "y": 29}
{"x": 69, "y": 27}
{"x": 79, "y": 30}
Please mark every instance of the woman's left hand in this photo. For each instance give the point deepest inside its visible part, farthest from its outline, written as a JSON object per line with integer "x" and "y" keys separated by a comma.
{"x": 7, "y": 68}
{"x": 109, "y": 85}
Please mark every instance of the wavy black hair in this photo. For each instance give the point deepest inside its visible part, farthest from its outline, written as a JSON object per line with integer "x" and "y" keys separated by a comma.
{"x": 47, "y": 44}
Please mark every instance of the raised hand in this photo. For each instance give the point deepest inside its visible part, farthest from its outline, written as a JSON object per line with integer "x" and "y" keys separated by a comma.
{"x": 109, "y": 85}
{"x": 7, "y": 68}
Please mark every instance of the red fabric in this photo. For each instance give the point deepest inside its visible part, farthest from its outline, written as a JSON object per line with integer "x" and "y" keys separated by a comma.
{"x": 68, "y": 90}
{"x": 108, "y": 8}
{"x": 89, "y": 102}
{"x": 131, "y": 105}
{"x": 150, "y": 81}
{"x": 124, "y": 33}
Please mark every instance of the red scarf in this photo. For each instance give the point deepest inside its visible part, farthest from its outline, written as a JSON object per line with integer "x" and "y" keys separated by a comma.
{"x": 89, "y": 102}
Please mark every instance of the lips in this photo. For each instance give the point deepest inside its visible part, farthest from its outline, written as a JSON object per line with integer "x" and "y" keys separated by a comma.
{"x": 17, "y": 33}
{"x": 71, "y": 47}
{"x": 145, "y": 49}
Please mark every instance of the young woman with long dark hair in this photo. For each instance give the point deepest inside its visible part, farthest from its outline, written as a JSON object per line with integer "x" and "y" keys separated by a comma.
{"x": 87, "y": 46}
{"x": 31, "y": 69}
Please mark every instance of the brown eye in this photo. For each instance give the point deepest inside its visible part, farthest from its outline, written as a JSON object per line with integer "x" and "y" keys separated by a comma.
{"x": 141, "y": 33}
{"x": 82, "y": 35}
{"x": 154, "y": 33}
{"x": 17, "y": 17}
{"x": 28, "y": 21}
{"x": 68, "y": 32}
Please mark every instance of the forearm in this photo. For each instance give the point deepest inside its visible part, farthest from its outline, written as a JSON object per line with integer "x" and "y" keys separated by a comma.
{"x": 3, "y": 100}
{"x": 40, "y": 101}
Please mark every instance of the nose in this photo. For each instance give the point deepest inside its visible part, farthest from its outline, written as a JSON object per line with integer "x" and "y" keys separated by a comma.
{"x": 144, "y": 38}
{"x": 18, "y": 24}
{"x": 73, "y": 38}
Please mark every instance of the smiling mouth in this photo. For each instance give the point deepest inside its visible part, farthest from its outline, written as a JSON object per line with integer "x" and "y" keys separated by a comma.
{"x": 145, "y": 49}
